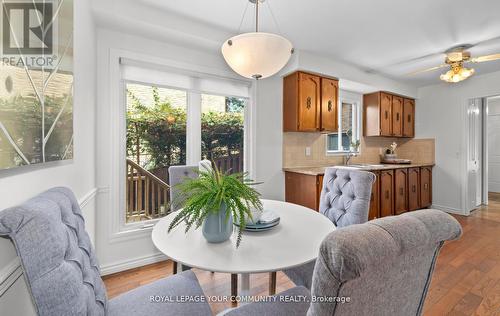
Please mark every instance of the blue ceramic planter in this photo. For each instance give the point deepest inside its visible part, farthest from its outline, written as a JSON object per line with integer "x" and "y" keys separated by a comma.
{"x": 215, "y": 228}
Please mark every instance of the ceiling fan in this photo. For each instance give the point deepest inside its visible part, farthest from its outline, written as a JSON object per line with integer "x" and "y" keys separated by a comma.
{"x": 456, "y": 57}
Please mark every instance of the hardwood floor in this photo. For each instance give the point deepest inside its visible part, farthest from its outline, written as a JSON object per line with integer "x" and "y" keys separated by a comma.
{"x": 466, "y": 279}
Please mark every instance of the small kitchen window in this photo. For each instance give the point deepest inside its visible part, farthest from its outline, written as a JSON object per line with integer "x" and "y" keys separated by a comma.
{"x": 347, "y": 139}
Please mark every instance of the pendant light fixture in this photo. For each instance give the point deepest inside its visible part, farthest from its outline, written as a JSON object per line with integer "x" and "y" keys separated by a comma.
{"x": 257, "y": 54}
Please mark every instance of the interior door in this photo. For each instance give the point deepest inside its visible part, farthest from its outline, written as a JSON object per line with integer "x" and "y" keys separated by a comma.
{"x": 385, "y": 114}
{"x": 329, "y": 108}
{"x": 309, "y": 97}
{"x": 397, "y": 116}
{"x": 474, "y": 149}
{"x": 408, "y": 118}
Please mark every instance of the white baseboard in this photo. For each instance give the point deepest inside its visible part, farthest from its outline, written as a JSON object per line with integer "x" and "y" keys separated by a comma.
{"x": 448, "y": 209}
{"x": 131, "y": 263}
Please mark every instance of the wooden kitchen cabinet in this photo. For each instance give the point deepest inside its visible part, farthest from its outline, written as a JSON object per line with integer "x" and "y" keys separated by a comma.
{"x": 413, "y": 189}
{"x": 425, "y": 187}
{"x": 386, "y": 193}
{"x": 303, "y": 189}
{"x": 375, "y": 198}
{"x": 329, "y": 107}
{"x": 394, "y": 191}
{"x": 397, "y": 113}
{"x": 400, "y": 191}
{"x": 384, "y": 115}
{"x": 309, "y": 103}
{"x": 408, "y": 118}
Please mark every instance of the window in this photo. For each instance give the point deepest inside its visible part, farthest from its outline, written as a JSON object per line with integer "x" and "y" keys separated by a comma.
{"x": 347, "y": 138}
{"x": 222, "y": 120}
{"x": 156, "y": 140}
{"x": 173, "y": 118}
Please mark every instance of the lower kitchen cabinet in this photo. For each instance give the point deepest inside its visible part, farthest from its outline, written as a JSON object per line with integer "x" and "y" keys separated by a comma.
{"x": 303, "y": 189}
{"x": 400, "y": 191}
{"x": 375, "y": 198}
{"x": 413, "y": 189}
{"x": 394, "y": 191}
{"x": 386, "y": 193}
{"x": 425, "y": 187}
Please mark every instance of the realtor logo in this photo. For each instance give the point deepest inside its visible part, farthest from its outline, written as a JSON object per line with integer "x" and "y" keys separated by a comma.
{"x": 28, "y": 28}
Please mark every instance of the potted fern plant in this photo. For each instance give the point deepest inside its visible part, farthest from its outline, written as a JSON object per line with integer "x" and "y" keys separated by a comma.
{"x": 213, "y": 200}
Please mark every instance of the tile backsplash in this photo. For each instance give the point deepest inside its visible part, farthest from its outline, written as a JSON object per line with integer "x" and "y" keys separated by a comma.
{"x": 294, "y": 150}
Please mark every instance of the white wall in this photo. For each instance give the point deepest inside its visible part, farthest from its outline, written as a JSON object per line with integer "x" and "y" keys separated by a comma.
{"x": 440, "y": 114}
{"x": 494, "y": 145}
{"x": 20, "y": 184}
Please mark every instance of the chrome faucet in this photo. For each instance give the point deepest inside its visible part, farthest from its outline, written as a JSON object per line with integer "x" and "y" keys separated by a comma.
{"x": 348, "y": 157}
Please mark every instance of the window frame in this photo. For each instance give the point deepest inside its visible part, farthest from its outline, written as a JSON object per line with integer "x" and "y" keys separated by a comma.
{"x": 357, "y": 120}
{"x": 120, "y": 229}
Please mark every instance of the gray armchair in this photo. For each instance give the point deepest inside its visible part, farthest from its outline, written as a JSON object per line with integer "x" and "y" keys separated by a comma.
{"x": 177, "y": 174}
{"x": 384, "y": 267}
{"x": 345, "y": 200}
{"x": 62, "y": 271}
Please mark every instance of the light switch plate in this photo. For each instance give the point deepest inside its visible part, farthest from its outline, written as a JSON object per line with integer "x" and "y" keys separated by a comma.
{"x": 308, "y": 151}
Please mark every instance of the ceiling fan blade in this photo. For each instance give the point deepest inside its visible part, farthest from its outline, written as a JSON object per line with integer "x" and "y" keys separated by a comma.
{"x": 481, "y": 59}
{"x": 427, "y": 70}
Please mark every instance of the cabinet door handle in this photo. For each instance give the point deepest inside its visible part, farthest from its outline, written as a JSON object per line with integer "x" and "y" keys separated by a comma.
{"x": 386, "y": 194}
{"x": 397, "y": 116}
{"x": 330, "y": 105}
{"x": 308, "y": 103}
{"x": 426, "y": 185}
{"x": 414, "y": 188}
{"x": 372, "y": 197}
{"x": 409, "y": 118}
{"x": 386, "y": 115}
{"x": 401, "y": 191}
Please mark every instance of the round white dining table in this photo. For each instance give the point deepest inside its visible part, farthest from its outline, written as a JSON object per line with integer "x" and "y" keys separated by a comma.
{"x": 295, "y": 241}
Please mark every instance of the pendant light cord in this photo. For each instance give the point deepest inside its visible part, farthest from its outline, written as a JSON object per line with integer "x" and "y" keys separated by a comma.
{"x": 243, "y": 17}
{"x": 274, "y": 18}
{"x": 257, "y": 16}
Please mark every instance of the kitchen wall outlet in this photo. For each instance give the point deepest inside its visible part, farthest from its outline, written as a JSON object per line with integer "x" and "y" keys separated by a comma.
{"x": 308, "y": 151}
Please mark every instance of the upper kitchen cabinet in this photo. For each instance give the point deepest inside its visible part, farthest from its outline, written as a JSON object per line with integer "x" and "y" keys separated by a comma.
{"x": 386, "y": 114}
{"x": 309, "y": 103}
{"x": 409, "y": 118}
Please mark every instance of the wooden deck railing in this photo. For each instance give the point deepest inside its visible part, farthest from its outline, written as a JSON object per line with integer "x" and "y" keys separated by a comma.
{"x": 233, "y": 162}
{"x": 147, "y": 195}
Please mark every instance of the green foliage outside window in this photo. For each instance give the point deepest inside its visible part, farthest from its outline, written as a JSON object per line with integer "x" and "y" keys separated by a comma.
{"x": 158, "y": 131}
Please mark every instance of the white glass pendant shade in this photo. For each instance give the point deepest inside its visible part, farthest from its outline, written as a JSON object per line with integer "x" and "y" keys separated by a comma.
{"x": 457, "y": 74}
{"x": 257, "y": 55}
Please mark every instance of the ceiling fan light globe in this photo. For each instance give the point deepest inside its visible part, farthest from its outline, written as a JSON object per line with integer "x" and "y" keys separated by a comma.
{"x": 257, "y": 55}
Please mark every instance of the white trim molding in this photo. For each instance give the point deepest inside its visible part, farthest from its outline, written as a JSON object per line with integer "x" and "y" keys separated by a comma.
{"x": 9, "y": 275}
{"x": 448, "y": 209}
{"x": 132, "y": 263}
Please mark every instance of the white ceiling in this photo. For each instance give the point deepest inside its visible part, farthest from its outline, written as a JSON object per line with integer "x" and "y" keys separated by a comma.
{"x": 385, "y": 36}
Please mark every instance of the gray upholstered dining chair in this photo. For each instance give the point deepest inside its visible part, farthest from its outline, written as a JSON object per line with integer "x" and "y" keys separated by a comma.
{"x": 345, "y": 200}
{"x": 177, "y": 174}
{"x": 62, "y": 271}
{"x": 384, "y": 267}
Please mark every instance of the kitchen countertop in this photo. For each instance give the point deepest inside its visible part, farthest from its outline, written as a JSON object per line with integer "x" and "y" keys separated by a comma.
{"x": 314, "y": 171}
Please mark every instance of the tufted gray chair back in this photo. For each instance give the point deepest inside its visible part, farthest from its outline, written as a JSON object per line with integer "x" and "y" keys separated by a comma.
{"x": 345, "y": 196}
{"x": 56, "y": 254}
{"x": 177, "y": 174}
{"x": 383, "y": 266}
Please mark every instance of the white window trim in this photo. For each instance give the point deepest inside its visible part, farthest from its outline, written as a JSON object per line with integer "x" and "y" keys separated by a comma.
{"x": 118, "y": 230}
{"x": 357, "y": 105}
